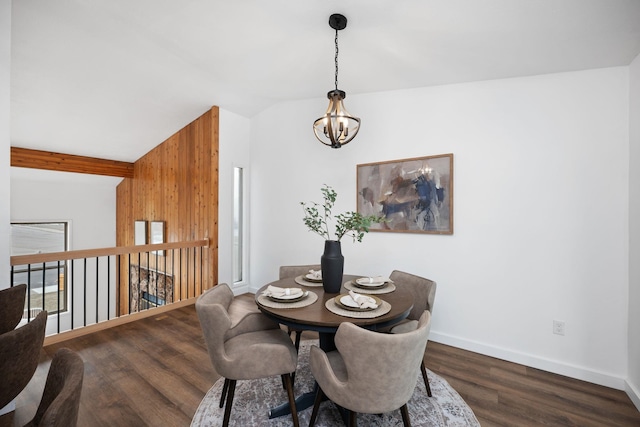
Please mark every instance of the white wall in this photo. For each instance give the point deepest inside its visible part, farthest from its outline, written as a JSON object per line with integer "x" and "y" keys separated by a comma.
{"x": 541, "y": 210}
{"x": 88, "y": 201}
{"x": 5, "y": 137}
{"x": 233, "y": 152}
{"x": 633, "y": 381}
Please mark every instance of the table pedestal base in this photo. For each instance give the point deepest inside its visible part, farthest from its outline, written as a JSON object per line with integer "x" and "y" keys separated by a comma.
{"x": 303, "y": 402}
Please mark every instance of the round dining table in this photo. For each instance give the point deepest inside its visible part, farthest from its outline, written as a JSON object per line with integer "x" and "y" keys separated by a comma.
{"x": 317, "y": 317}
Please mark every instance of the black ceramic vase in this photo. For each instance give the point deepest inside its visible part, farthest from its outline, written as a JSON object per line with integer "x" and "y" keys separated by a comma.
{"x": 332, "y": 264}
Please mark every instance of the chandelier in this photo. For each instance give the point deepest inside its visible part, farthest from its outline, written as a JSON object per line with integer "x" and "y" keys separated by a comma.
{"x": 336, "y": 127}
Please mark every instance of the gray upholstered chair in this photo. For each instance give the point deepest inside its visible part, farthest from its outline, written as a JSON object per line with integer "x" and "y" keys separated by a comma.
{"x": 61, "y": 397}
{"x": 295, "y": 271}
{"x": 370, "y": 372}
{"x": 237, "y": 354}
{"x": 19, "y": 356}
{"x": 424, "y": 295}
{"x": 245, "y": 318}
{"x": 11, "y": 307}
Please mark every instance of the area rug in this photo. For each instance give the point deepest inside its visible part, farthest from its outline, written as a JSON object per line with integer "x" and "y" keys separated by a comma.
{"x": 253, "y": 398}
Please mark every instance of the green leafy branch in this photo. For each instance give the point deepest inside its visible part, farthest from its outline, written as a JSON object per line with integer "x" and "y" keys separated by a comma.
{"x": 317, "y": 217}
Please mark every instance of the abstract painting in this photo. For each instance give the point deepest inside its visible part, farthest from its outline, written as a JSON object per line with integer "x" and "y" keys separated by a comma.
{"x": 414, "y": 195}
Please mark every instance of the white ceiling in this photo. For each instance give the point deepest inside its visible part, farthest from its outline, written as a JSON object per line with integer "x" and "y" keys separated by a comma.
{"x": 114, "y": 78}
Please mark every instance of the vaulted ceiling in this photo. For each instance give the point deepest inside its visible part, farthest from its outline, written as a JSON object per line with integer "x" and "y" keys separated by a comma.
{"x": 114, "y": 78}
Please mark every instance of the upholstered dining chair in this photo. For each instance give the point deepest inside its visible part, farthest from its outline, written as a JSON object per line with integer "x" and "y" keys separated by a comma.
{"x": 12, "y": 307}
{"x": 238, "y": 355}
{"x": 19, "y": 356}
{"x": 424, "y": 295}
{"x": 370, "y": 372}
{"x": 295, "y": 271}
{"x": 61, "y": 397}
{"x": 245, "y": 318}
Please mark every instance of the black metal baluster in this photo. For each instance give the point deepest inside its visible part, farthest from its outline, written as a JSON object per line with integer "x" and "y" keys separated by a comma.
{"x": 195, "y": 270}
{"x": 58, "y": 292}
{"x": 44, "y": 290}
{"x": 139, "y": 279}
{"x": 173, "y": 283}
{"x": 97, "y": 287}
{"x": 73, "y": 307}
{"x": 166, "y": 254}
{"x": 186, "y": 264}
{"x": 108, "y": 287}
{"x": 157, "y": 268}
{"x": 84, "y": 309}
{"x": 201, "y": 271}
{"x": 129, "y": 282}
{"x": 28, "y": 293}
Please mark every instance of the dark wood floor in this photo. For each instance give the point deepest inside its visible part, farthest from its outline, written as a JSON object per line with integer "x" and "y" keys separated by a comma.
{"x": 155, "y": 371}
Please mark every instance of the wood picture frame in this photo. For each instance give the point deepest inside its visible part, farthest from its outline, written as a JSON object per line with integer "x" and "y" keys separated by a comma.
{"x": 414, "y": 195}
{"x": 140, "y": 233}
{"x": 157, "y": 235}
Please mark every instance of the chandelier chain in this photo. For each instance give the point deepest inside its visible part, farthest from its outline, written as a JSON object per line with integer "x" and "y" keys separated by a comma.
{"x": 336, "y": 59}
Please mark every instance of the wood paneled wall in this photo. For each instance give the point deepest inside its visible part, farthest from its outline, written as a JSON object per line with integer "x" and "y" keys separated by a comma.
{"x": 176, "y": 182}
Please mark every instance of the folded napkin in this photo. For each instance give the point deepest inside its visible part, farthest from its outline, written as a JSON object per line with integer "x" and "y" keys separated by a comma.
{"x": 274, "y": 291}
{"x": 363, "y": 301}
{"x": 315, "y": 274}
{"x": 373, "y": 279}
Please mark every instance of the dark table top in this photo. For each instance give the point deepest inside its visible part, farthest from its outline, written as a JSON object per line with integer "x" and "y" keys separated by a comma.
{"x": 316, "y": 317}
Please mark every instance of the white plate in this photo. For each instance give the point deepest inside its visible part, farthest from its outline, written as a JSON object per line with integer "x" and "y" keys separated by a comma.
{"x": 346, "y": 301}
{"x": 364, "y": 281}
{"x": 312, "y": 278}
{"x": 296, "y": 295}
{"x": 349, "y": 302}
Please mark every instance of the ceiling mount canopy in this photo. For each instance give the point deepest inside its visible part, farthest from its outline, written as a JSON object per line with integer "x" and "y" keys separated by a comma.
{"x": 336, "y": 127}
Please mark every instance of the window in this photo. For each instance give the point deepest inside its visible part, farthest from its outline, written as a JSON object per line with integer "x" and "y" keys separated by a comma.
{"x": 238, "y": 224}
{"x": 46, "y": 282}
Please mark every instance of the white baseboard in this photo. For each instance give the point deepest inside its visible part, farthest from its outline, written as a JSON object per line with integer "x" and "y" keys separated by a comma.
{"x": 241, "y": 289}
{"x": 548, "y": 365}
{"x": 633, "y": 394}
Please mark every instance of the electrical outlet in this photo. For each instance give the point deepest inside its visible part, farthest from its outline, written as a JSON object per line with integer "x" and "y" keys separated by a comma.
{"x": 558, "y": 327}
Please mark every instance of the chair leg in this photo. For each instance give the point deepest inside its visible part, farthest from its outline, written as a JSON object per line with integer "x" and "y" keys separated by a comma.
{"x": 292, "y": 401}
{"x": 353, "y": 422}
{"x": 225, "y": 387}
{"x": 297, "y": 342}
{"x": 405, "y": 415}
{"x": 316, "y": 406}
{"x": 227, "y": 408}
{"x": 424, "y": 377}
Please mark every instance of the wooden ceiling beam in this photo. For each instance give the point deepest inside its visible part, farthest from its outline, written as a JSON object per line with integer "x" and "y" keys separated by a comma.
{"x": 37, "y": 159}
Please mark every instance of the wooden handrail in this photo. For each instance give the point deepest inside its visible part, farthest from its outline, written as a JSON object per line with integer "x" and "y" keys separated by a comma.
{"x": 92, "y": 253}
